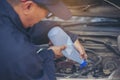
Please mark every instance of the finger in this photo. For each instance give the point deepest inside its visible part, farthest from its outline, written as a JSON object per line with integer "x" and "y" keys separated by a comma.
{"x": 84, "y": 56}
{"x": 58, "y": 56}
{"x": 50, "y": 43}
{"x": 63, "y": 47}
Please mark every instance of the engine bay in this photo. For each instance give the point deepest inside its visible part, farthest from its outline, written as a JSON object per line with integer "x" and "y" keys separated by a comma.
{"x": 98, "y": 67}
{"x": 100, "y": 42}
{"x": 97, "y": 24}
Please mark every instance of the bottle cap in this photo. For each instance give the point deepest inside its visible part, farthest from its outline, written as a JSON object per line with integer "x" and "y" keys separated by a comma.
{"x": 83, "y": 64}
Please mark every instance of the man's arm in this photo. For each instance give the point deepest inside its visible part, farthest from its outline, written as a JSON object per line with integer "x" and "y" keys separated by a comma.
{"x": 39, "y": 32}
{"x": 81, "y": 49}
{"x": 19, "y": 57}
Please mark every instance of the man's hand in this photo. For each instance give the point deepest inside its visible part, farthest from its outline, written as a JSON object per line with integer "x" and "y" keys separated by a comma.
{"x": 80, "y": 49}
{"x": 57, "y": 50}
{"x": 83, "y": 55}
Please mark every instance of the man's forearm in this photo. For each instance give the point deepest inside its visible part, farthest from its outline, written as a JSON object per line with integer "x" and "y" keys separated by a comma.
{"x": 80, "y": 48}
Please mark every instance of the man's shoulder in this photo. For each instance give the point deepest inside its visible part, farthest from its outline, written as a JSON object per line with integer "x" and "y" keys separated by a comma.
{"x": 6, "y": 28}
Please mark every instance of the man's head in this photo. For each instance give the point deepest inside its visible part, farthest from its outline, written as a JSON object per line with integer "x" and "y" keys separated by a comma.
{"x": 33, "y": 11}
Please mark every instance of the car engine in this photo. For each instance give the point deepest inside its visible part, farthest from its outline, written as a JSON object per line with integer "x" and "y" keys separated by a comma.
{"x": 97, "y": 24}
{"x": 100, "y": 42}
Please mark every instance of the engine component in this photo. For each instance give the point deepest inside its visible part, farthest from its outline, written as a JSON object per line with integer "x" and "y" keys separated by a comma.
{"x": 109, "y": 65}
{"x": 118, "y": 40}
{"x": 67, "y": 67}
{"x": 115, "y": 75}
{"x": 73, "y": 69}
{"x": 94, "y": 62}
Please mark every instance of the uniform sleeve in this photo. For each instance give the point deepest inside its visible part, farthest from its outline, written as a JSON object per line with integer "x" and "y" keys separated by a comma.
{"x": 19, "y": 58}
{"x": 39, "y": 32}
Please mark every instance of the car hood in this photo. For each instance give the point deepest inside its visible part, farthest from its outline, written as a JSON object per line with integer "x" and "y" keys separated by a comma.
{"x": 95, "y": 8}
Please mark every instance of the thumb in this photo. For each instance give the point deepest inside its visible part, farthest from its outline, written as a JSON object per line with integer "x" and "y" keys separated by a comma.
{"x": 62, "y": 47}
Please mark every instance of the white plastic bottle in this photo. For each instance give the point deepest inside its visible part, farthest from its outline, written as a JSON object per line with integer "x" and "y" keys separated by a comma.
{"x": 58, "y": 37}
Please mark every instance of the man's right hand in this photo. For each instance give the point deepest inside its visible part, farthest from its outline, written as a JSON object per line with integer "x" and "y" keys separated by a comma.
{"x": 57, "y": 50}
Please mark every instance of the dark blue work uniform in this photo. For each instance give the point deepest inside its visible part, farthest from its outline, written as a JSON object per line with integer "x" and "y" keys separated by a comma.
{"x": 18, "y": 53}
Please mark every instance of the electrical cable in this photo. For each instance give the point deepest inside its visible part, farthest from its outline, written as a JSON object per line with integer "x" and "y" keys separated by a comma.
{"x": 106, "y": 45}
{"x": 113, "y": 4}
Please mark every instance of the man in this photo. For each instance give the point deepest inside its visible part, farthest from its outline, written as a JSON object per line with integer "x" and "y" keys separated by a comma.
{"x": 20, "y": 58}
